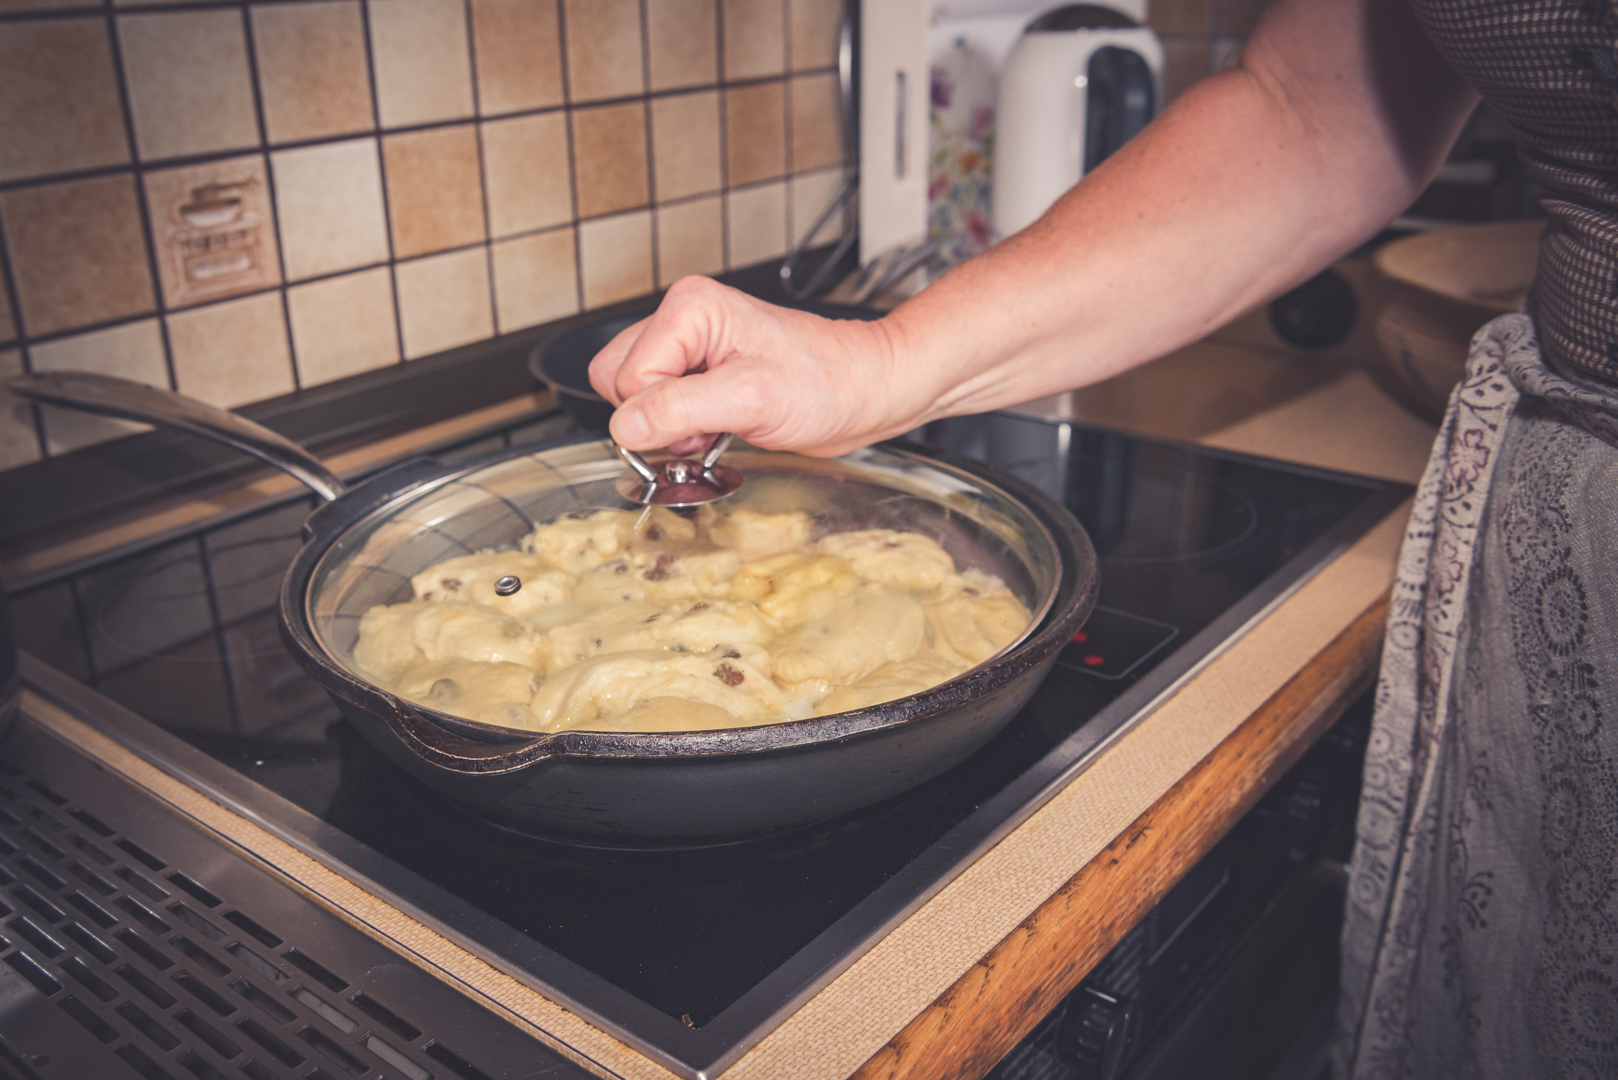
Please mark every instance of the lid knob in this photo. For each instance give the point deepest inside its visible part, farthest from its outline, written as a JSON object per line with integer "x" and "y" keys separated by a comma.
{"x": 678, "y": 481}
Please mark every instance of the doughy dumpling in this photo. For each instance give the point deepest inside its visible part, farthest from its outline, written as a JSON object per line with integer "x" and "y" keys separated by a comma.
{"x": 490, "y": 693}
{"x": 403, "y": 635}
{"x": 580, "y": 544}
{"x": 753, "y": 535}
{"x": 471, "y": 578}
{"x": 609, "y": 686}
{"x": 862, "y": 632}
{"x": 907, "y": 560}
{"x": 793, "y": 588}
{"x": 899, "y": 679}
{"x": 973, "y": 617}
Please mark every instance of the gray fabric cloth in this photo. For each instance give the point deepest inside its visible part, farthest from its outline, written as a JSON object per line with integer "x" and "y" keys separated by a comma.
{"x": 1481, "y": 937}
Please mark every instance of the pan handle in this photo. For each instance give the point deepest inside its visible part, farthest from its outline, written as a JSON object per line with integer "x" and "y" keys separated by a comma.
{"x": 127, "y": 400}
{"x": 456, "y": 753}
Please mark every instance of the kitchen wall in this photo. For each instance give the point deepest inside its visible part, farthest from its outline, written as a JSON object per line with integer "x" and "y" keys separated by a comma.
{"x": 1200, "y": 37}
{"x": 237, "y": 200}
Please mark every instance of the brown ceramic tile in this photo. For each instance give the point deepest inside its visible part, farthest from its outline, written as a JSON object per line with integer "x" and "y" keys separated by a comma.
{"x": 77, "y": 253}
{"x": 233, "y": 353}
{"x": 684, "y": 43}
{"x": 615, "y": 258}
{"x": 59, "y": 105}
{"x": 213, "y": 229}
{"x": 444, "y": 301}
{"x": 1181, "y": 16}
{"x": 343, "y": 325}
{"x": 685, "y": 144}
{"x": 1238, "y": 17}
{"x": 189, "y": 86}
{"x": 757, "y": 217}
{"x": 46, "y": 5}
{"x": 809, "y": 195}
{"x": 754, "y": 37}
{"x": 817, "y": 122}
{"x": 19, "y": 441}
{"x": 435, "y": 190}
{"x": 525, "y": 170}
{"x": 755, "y": 133}
{"x": 536, "y": 279}
{"x": 312, "y": 73}
{"x": 603, "y": 49}
{"x": 815, "y": 28}
{"x": 519, "y": 55}
{"x": 329, "y": 202}
{"x": 423, "y": 63}
{"x": 1184, "y": 62}
{"x": 133, "y": 351}
{"x": 690, "y": 239}
{"x": 609, "y": 158}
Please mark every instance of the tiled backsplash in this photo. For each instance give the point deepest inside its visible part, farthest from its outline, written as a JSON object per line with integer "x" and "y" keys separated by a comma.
{"x": 1200, "y": 37}
{"x": 241, "y": 199}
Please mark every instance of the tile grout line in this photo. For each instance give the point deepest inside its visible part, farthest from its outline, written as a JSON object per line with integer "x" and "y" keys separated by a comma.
{"x": 724, "y": 133}
{"x": 483, "y": 167}
{"x": 382, "y": 176}
{"x": 651, "y": 144}
{"x": 572, "y": 158}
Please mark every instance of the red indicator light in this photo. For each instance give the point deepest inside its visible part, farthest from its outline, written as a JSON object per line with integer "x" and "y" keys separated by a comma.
{"x": 1081, "y": 636}
{"x": 1095, "y": 661}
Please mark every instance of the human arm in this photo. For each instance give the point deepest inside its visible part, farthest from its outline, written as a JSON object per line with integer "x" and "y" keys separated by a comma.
{"x": 1337, "y": 116}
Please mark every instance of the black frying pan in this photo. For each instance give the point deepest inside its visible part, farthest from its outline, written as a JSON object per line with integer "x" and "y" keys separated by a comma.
{"x": 563, "y": 363}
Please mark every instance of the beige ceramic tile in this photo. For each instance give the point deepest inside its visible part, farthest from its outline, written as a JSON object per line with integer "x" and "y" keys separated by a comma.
{"x": 422, "y": 58}
{"x": 685, "y": 144}
{"x": 45, "y": 5}
{"x": 1240, "y": 16}
{"x": 615, "y": 258}
{"x": 684, "y": 43}
{"x": 233, "y": 353}
{"x": 525, "y": 171}
{"x": 809, "y": 195}
{"x": 536, "y": 279}
{"x": 609, "y": 158}
{"x": 755, "y": 133}
{"x": 1182, "y": 16}
{"x": 343, "y": 325}
{"x": 77, "y": 253}
{"x": 59, "y": 106}
{"x": 757, "y": 217}
{"x": 329, "y": 202}
{"x": 312, "y": 73}
{"x": 435, "y": 189}
{"x": 133, "y": 351}
{"x": 815, "y": 28}
{"x": 444, "y": 301}
{"x": 603, "y": 49}
{"x": 817, "y": 122}
{"x": 1184, "y": 63}
{"x": 755, "y": 38}
{"x": 690, "y": 239}
{"x": 189, "y": 86}
{"x": 213, "y": 230}
{"x": 19, "y": 441}
{"x": 519, "y": 55}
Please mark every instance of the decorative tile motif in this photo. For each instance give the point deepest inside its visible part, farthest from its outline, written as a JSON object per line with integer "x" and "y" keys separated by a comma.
{"x": 233, "y": 353}
{"x": 444, "y": 301}
{"x": 535, "y": 279}
{"x": 77, "y": 253}
{"x": 519, "y": 55}
{"x": 435, "y": 196}
{"x": 423, "y": 65}
{"x": 329, "y": 201}
{"x": 342, "y": 326}
{"x": 312, "y": 69}
{"x": 213, "y": 230}
{"x": 59, "y": 107}
{"x": 189, "y": 86}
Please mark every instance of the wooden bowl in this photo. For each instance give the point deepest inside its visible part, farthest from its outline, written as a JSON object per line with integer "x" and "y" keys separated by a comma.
{"x": 1437, "y": 289}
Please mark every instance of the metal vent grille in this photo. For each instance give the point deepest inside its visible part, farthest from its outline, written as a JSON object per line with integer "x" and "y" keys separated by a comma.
{"x": 174, "y": 979}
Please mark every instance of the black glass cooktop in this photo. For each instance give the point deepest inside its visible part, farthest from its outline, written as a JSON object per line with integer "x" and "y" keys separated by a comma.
{"x": 694, "y": 954}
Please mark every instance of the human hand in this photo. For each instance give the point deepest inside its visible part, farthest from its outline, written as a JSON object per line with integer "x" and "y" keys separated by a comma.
{"x": 712, "y": 359}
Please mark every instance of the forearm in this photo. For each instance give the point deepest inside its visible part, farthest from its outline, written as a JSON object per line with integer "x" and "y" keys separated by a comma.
{"x": 1250, "y": 183}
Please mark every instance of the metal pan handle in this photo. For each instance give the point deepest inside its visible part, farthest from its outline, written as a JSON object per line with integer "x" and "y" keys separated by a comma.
{"x": 105, "y": 395}
{"x": 457, "y": 753}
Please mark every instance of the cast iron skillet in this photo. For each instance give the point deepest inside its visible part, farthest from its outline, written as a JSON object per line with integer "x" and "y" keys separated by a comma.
{"x": 630, "y": 788}
{"x": 563, "y": 362}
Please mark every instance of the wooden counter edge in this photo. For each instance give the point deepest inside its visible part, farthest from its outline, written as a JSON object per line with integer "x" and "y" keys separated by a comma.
{"x": 989, "y": 1009}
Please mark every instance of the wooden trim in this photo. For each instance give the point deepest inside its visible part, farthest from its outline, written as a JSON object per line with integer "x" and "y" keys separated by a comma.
{"x": 995, "y": 1004}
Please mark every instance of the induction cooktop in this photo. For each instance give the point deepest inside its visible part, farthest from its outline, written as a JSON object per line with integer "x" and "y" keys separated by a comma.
{"x": 694, "y": 954}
